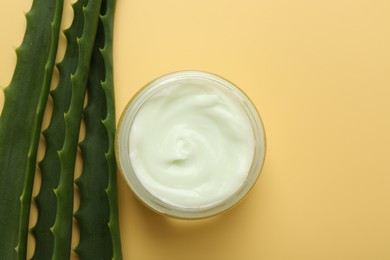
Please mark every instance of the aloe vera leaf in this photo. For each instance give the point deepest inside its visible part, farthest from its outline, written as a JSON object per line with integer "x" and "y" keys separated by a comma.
{"x": 54, "y": 137}
{"x": 98, "y": 212}
{"x": 62, "y": 228}
{"x": 109, "y": 123}
{"x": 20, "y": 123}
{"x": 93, "y": 213}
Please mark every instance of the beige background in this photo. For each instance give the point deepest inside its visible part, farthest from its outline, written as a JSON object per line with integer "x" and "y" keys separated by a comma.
{"x": 319, "y": 73}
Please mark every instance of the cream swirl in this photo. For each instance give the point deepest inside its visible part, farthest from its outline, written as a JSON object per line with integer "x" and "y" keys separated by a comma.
{"x": 191, "y": 145}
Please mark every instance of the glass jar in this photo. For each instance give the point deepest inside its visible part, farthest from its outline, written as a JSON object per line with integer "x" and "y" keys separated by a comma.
{"x": 124, "y": 147}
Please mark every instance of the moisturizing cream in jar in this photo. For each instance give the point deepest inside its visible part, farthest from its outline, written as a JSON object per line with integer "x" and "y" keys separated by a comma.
{"x": 190, "y": 145}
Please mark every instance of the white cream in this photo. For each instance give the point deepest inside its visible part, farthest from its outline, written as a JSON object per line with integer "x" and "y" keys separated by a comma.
{"x": 191, "y": 145}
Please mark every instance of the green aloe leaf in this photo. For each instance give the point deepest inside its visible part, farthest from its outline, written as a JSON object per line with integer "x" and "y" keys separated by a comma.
{"x": 54, "y": 136}
{"x": 98, "y": 212}
{"x": 62, "y": 229}
{"x": 21, "y": 120}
